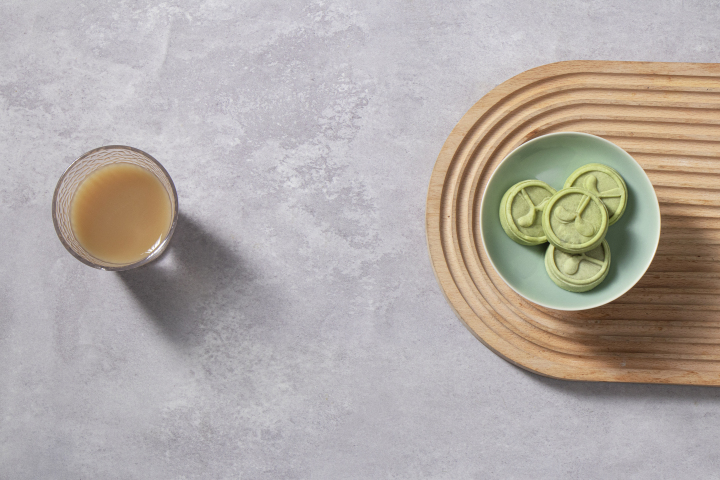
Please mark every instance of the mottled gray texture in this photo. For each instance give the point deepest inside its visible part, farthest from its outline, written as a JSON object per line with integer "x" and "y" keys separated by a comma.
{"x": 295, "y": 329}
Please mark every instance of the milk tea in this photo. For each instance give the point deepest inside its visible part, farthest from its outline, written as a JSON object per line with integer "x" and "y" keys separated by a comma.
{"x": 120, "y": 213}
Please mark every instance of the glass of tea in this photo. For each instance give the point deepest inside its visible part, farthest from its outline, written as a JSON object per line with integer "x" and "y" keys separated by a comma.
{"x": 115, "y": 208}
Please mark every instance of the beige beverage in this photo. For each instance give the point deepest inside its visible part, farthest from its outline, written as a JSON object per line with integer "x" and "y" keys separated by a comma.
{"x": 120, "y": 213}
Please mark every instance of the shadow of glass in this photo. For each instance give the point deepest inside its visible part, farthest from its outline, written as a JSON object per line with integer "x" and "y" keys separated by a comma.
{"x": 191, "y": 277}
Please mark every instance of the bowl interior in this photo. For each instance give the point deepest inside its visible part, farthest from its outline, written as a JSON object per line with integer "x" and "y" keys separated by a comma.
{"x": 552, "y": 158}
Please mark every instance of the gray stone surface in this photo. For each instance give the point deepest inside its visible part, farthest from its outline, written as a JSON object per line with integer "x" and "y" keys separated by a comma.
{"x": 295, "y": 329}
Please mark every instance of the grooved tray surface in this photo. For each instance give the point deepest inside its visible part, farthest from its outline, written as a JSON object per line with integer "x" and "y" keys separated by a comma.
{"x": 667, "y": 116}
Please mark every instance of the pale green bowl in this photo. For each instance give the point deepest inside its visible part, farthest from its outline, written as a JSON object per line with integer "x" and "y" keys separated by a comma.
{"x": 552, "y": 158}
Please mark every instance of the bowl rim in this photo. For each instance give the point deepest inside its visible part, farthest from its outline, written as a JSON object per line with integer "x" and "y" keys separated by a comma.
{"x": 157, "y": 252}
{"x": 597, "y": 303}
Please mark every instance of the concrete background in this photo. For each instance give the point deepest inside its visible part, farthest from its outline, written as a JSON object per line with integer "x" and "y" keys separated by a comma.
{"x": 295, "y": 329}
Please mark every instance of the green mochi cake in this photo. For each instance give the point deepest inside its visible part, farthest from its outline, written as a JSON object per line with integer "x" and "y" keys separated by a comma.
{"x": 521, "y": 210}
{"x": 575, "y": 220}
{"x": 580, "y": 272}
{"x": 605, "y": 183}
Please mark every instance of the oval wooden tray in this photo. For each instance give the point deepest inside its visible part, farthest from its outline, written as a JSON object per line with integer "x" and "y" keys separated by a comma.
{"x": 667, "y": 116}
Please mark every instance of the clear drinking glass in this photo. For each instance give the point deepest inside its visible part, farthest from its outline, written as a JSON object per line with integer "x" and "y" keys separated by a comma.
{"x": 74, "y": 176}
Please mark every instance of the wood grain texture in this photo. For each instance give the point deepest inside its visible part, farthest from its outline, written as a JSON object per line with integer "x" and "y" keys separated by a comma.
{"x": 667, "y": 116}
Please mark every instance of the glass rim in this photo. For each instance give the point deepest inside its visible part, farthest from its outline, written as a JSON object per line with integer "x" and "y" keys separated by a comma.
{"x": 157, "y": 251}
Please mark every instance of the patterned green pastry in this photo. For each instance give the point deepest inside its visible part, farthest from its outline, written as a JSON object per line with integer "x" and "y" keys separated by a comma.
{"x": 574, "y": 220}
{"x": 605, "y": 183}
{"x": 521, "y": 209}
{"x": 581, "y": 272}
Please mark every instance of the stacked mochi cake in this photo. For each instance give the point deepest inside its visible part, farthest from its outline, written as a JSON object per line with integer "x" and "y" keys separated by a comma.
{"x": 574, "y": 220}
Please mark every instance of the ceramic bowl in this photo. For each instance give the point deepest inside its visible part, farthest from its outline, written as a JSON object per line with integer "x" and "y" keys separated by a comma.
{"x": 552, "y": 158}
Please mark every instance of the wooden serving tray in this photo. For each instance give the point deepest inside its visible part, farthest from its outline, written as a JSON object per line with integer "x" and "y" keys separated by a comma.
{"x": 667, "y": 116}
